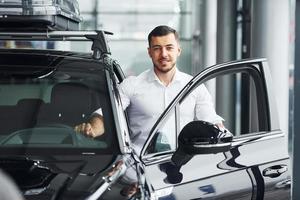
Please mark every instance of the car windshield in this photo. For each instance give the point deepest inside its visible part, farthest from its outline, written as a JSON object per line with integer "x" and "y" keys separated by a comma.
{"x": 43, "y": 96}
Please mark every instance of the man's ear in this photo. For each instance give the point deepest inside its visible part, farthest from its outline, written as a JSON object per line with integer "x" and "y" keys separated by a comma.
{"x": 179, "y": 51}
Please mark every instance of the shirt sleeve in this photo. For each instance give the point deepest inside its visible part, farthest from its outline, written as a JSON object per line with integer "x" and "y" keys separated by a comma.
{"x": 204, "y": 109}
{"x": 125, "y": 90}
{"x": 99, "y": 111}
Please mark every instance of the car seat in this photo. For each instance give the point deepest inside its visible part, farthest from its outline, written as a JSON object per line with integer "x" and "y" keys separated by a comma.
{"x": 71, "y": 103}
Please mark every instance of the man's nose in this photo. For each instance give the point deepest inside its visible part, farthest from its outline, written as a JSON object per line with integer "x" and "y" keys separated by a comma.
{"x": 164, "y": 52}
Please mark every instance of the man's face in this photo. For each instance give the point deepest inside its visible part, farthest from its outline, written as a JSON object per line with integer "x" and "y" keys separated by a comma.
{"x": 164, "y": 51}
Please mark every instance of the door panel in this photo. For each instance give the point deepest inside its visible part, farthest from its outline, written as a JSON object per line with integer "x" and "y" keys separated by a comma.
{"x": 277, "y": 186}
{"x": 256, "y": 167}
{"x": 199, "y": 178}
{"x": 267, "y": 161}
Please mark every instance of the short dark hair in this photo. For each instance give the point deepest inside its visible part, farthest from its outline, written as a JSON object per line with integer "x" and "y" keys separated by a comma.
{"x": 162, "y": 30}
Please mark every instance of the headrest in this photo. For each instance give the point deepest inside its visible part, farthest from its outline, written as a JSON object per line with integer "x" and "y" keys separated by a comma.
{"x": 70, "y": 95}
{"x": 29, "y": 102}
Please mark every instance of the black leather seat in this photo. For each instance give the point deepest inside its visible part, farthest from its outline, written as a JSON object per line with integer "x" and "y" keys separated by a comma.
{"x": 28, "y": 110}
{"x": 71, "y": 103}
{"x": 20, "y": 116}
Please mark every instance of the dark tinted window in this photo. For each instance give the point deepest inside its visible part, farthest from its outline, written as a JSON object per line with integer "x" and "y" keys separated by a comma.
{"x": 41, "y": 103}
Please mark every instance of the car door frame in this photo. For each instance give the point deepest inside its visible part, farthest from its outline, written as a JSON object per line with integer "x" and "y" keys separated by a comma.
{"x": 215, "y": 71}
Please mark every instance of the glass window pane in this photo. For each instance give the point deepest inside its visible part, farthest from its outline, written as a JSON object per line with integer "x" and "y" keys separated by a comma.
{"x": 165, "y": 138}
{"x": 43, "y": 97}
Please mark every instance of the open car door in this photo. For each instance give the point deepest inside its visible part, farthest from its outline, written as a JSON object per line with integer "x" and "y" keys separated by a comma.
{"x": 252, "y": 161}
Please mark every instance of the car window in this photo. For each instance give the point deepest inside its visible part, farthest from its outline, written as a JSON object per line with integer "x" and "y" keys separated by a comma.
{"x": 254, "y": 121}
{"x": 165, "y": 137}
{"x": 235, "y": 120}
{"x": 40, "y": 103}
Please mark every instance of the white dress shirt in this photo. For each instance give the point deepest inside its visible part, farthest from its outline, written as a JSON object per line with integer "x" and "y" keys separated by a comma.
{"x": 146, "y": 97}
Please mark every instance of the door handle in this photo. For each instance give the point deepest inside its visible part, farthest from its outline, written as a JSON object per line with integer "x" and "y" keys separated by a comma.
{"x": 275, "y": 171}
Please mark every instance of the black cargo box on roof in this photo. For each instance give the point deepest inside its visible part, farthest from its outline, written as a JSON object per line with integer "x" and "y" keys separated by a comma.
{"x": 39, "y": 15}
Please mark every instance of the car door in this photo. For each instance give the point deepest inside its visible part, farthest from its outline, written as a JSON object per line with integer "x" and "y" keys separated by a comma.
{"x": 255, "y": 167}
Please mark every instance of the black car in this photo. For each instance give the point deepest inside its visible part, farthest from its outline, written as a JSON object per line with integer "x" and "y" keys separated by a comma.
{"x": 45, "y": 93}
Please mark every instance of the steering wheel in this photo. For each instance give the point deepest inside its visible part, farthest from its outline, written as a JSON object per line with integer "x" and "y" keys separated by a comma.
{"x": 76, "y": 137}
{"x": 45, "y": 134}
{"x": 55, "y": 134}
{"x": 79, "y": 139}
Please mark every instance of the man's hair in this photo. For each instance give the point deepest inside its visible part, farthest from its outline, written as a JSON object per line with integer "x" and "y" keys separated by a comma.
{"x": 162, "y": 31}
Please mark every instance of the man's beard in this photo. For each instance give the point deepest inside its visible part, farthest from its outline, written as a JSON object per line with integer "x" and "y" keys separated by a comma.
{"x": 164, "y": 70}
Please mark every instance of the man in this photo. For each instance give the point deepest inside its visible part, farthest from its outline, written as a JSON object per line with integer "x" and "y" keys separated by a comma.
{"x": 147, "y": 95}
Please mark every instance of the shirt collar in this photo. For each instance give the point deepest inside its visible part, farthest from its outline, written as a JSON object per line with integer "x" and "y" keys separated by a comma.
{"x": 152, "y": 76}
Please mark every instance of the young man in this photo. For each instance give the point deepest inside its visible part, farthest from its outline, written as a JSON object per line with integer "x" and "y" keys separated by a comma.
{"x": 147, "y": 95}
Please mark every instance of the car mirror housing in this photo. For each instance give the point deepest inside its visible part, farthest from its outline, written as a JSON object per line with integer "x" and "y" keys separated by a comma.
{"x": 200, "y": 137}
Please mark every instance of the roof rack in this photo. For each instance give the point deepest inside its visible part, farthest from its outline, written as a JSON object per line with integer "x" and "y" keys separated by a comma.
{"x": 99, "y": 47}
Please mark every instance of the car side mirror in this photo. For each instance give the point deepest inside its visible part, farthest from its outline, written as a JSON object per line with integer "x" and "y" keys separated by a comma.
{"x": 200, "y": 137}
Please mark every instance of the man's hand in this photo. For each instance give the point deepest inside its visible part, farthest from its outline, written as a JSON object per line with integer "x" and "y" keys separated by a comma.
{"x": 220, "y": 126}
{"x": 93, "y": 128}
